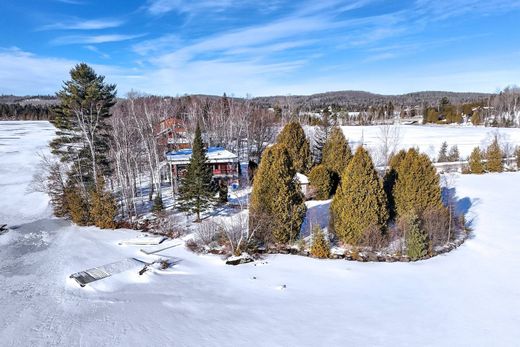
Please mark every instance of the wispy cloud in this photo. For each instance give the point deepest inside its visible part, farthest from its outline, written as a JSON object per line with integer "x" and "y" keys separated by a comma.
{"x": 84, "y": 24}
{"x": 93, "y": 39}
{"x": 159, "y": 7}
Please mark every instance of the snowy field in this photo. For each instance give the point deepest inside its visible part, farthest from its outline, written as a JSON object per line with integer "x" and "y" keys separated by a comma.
{"x": 429, "y": 138}
{"x": 470, "y": 297}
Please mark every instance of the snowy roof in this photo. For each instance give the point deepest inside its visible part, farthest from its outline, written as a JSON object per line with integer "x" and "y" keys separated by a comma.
{"x": 214, "y": 155}
{"x": 302, "y": 178}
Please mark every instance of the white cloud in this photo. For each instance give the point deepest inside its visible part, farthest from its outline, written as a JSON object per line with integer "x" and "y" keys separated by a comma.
{"x": 80, "y": 24}
{"x": 93, "y": 39}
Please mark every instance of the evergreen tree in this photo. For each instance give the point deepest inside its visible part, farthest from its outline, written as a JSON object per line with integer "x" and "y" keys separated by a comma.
{"x": 494, "y": 157}
{"x": 475, "y": 161}
{"x": 321, "y": 133}
{"x": 222, "y": 193}
{"x": 321, "y": 180}
{"x": 196, "y": 193}
{"x": 443, "y": 153}
{"x": 390, "y": 179}
{"x": 454, "y": 155}
{"x": 416, "y": 239}
{"x": 336, "y": 155}
{"x": 103, "y": 207}
{"x": 77, "y": 205}
{"x": 417, "y": 187}
{"x": 276, "y": 206}
{"x": 360, "y": 202}
{"x": 158, "y": 204}
{"x": 82, "y": 122}
{"x": 320, "y": 247}
{"x": 293, "y": 138}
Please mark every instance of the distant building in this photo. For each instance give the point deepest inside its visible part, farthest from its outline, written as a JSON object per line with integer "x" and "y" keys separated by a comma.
{"x": 173, "y": 134}
{"x": 224, "y": 164}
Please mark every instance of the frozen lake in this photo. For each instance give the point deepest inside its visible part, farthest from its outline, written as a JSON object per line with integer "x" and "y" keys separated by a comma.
{"x": 470, "y": 297}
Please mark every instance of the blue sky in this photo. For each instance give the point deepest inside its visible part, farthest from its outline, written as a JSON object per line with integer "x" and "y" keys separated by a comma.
{"x": 173, "y": 47}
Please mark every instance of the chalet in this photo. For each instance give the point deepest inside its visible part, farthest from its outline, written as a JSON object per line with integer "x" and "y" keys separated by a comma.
{"x": 174, "y": 134}
{"x": 224, "y": 164}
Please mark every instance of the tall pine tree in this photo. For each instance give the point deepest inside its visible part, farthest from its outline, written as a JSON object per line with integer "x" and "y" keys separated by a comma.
{"x": 196, "y": 192}
{"x": 83, "y": 131}
{"x": 360, "y": 202}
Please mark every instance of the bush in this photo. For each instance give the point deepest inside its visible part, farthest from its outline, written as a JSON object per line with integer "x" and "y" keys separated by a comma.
{"x": 436, "y": 223}
{"x": 321, "y": 180}
{"x": 77, "y": 206}
{"x": 320, "y": 247}
{"x": 416, "y": 239}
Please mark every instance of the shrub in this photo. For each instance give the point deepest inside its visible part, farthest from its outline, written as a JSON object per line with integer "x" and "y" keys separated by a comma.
{"x": 320, "y": 247}
{"x": 158, "y": 205}
{"x": 416, "y": 239}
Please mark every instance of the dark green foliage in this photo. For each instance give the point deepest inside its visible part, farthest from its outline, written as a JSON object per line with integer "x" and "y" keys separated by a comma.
{"x": 158, "y": 204}
{"x": 276, "y": 206}
{"x": 360, "y": 202}
{"x": 476, "y": 166}
{"x": 416, "y": 239}
{"x": 336, "y": 155}
{"x": 417, "y": 187}
{"x": 320, "y": 247}
{"x": 196, "y": 193}
{"x": 494, "y": 157}
{"x": 321, "y": 133}
{"x": 293, "y": 138}
{"x": 443, "y": 153}
{"x": 81, "y": 118}
{"x": 322, "y": 181}
{"x": 389, "y": 181}
{"x": 223, "y": 193}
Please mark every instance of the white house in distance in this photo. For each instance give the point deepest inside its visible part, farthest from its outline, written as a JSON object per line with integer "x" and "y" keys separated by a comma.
{"x": 224, "y": 164}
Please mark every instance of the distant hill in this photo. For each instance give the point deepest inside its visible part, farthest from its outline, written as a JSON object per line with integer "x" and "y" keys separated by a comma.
{"x": 353, "y": 99}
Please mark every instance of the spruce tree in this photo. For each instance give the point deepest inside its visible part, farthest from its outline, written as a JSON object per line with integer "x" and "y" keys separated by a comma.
{"x": 417, "y": 187}
{"x": 294, "y": 139}
{"x": 196, "y": 193}
{"x": 336, "y": 155}
{"x": 360, "y": 202}
{"x": 276, "y": 205}
{"x": 443, "y": 153}
{"x": 321, "y": 180}
{"x": 77, "y": 205}
{"x": 494, "y": 157}
{"x": 321, "y": 133}
{"x": 320, "y": 247}
{"x": 416, "y": 239}
{"x": 453, "y": 154}
{"x": 475, "y": 161}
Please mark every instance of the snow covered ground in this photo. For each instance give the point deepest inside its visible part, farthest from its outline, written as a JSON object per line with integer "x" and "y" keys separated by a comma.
{"x": 469, "y": 297}
{"x": 429, "y": 138}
